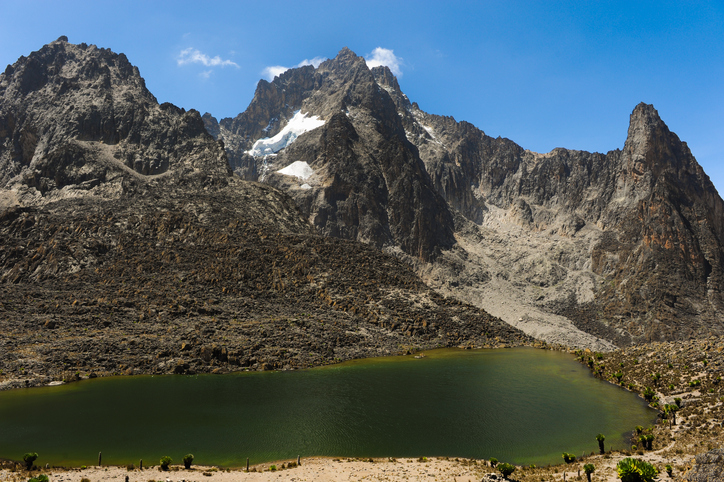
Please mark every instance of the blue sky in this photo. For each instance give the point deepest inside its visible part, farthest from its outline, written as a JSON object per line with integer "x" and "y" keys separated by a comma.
{"x": 544, "y": 74}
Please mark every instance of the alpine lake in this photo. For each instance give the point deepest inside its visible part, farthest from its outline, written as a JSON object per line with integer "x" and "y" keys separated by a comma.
{"x": 521, "y": 405}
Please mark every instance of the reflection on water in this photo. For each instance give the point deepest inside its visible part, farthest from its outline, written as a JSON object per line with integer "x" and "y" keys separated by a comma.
{"x": 519, "y": 405}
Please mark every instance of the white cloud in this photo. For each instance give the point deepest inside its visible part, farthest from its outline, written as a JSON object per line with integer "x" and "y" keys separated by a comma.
{"x": 205, "y": 74}
{"x": 314, "y": 62}
{"x": 274, "y": 70}
{"x": 194, "y": 56}
{"x": 381, "y": 56}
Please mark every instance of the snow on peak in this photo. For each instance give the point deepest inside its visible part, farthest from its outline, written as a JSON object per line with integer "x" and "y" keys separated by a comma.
{"x": 298, "y": 169}
{"x": 297, "y": 125}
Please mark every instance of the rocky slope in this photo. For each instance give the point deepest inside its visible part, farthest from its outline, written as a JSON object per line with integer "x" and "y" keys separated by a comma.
{"x": 128, "y": 247}
{"x": 579, "y": 248}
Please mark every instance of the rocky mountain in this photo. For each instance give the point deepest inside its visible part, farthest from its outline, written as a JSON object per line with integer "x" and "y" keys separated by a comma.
{"x": 128, "y": 247}
{"x": 360, "y": 178}
{"x": 73, "y": 117}
{"x": 581, "y": 248}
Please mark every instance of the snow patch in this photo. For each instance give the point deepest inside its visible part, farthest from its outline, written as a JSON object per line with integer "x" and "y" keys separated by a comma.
{"x": 298, "y": 169}
{"x": 305, "y": 186}
{"x": 297, "y": 125}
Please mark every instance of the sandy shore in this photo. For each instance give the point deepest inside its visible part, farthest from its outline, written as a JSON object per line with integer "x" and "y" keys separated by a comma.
{"x": 353, "y": 470}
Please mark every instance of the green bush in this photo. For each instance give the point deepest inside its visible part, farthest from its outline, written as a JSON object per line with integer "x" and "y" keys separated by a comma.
{"x": 188, "y": 460}
{"x": 589, "y": 469}
{"x": 669, "y": 470}
{"x": 165, "y": 462}
{"x": 39, "y": 478}
{"x": 506, "y": 469}
{"x": 29, "y": 458}
{"x": 493, "y": 461}
{"x": 635, "y": 470}
{"x": 648, "y": 394}
{"x": 568, "y": 458}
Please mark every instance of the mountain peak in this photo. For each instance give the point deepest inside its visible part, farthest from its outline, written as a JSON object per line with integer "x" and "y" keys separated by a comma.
{"x": 345, "y": 59}
{"x": 644, "y": 115}
{"x": 346, "y": 53}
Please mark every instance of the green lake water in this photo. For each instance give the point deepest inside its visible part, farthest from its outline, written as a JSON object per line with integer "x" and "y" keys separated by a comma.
{"x": 519, "y": 405}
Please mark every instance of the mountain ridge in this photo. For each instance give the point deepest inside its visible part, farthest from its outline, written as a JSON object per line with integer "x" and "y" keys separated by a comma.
{"x": 618, "y": 215}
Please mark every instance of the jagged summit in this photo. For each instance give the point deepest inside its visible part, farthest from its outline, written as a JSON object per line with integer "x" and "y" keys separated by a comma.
{"x": 368, "y": 181}
{"x": 73, "y": 114}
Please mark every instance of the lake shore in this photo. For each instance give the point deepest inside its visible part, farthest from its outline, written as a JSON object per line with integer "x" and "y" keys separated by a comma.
{"x": 323, "y": 469}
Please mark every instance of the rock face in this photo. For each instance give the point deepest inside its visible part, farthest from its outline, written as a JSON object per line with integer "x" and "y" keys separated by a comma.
{"x": 368, "y": 182}
{"x": 76, "y": 116}
{"x": 571, "y": 246}
{"x": 641, "y": 226}
{"x": 709, "y": 467}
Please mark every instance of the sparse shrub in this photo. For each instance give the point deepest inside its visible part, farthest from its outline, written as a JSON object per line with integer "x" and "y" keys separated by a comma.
{"x": 188, "y": 460}
{"x": 506, "y": 469}
{"x": 635, "y": 470}
{"x": 677, "y": 401}
{"x": 669, "y": 470}
{"x": 647, "y": 441}
{"x": 493, "y": 461}
{"x": 589, "y": 469}
{"x": 130, "y": 467}
{"x": 568, "y": 458}
{"x": 39, "y": 478}
{"x": 600, "y": 438}
{"x": 29, "y": 459}
{"x": 165, "y": 462}
{"x": 695, "y": 383}
{"x": 85, "y": 479}
{"x": 273, "y": 468}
